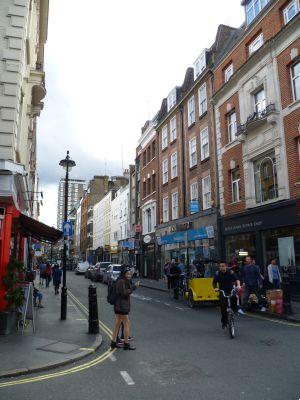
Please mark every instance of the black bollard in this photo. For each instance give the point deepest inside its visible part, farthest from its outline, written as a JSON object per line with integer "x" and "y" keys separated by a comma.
{"x": 93, "y": 310}
{"x": 287, "y": 305}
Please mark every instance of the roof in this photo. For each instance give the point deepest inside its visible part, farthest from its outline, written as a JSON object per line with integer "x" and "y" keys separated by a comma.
{"x": 44, "y": 233}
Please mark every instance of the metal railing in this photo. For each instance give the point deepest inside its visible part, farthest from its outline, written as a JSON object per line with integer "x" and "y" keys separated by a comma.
{"x": 256, "y": 116}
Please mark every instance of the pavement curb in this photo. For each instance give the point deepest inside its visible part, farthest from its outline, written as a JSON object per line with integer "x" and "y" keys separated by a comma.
{"x": 46, "y": 367}
{"x": 154, "y": 288}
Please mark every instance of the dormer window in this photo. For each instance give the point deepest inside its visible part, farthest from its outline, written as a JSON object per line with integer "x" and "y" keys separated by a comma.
{"x": 171, "y": 100}
{"x": 200, "y": 64}
{"x": 253, "y": 8}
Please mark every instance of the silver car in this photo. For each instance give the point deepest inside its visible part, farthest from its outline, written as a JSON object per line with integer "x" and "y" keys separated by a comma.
{"x": 82, "y": 267}
{"x": 112, "y": 273}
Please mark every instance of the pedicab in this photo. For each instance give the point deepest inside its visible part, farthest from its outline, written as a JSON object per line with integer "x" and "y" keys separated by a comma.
{"x": 200, "y": 288}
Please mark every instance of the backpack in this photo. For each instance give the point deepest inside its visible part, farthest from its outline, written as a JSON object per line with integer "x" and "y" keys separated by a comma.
{"x": 112, "y": 293}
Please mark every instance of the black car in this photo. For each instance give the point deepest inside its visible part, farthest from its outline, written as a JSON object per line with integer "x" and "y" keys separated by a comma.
{"x": 97, "y": 272}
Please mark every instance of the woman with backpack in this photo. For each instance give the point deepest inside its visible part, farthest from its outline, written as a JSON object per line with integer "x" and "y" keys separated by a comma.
{"x": 124, "y": 288}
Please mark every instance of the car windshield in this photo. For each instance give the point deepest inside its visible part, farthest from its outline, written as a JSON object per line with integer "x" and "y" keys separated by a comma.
{"x": 104, "y": 265}
{"x": 117, "y": 268}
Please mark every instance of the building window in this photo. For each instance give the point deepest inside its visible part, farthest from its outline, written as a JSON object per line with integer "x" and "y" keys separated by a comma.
{"x": 200, "y": 64}
{"x": 144, "y": 189}
{"x": 253, "y": 8}
{"x": 194, "y": 191}
{"x": 202, "y": 99}
{"x": 174, "y": 165}
{"x": 206, "y": 193}
{"x": 171, "y": 99}
{"x": 165, "y": 171}
{"x": 115, "y": 236}
{"x": 191, "y": 111}
{"x": 228, "y": 72}
{"x": 290, "y": 11}
{"x": 265, "y": 178}
{"x": 260, "y": 102}
{"x": 153, "y": 183}
{"x": 174, "y": 205}
{"x": 165, "y": 209}
{"x": 144, "y": 158}
{"x": 153, "y": 149}
{"x": 193, "y": 152}
{"x": 235, "y": 185}
{"x": 295, "y": 72}
{"x": 148, "y": 186}
{"x": 148, "y": 220}
{"x": 256, "y": 44}
{"x": 299, "y": 149}
{"x": 164, "y": 142}
{"x": 173, "y": 129}
{"x": 204, "y": 144}
{"x": 232, "y": 128}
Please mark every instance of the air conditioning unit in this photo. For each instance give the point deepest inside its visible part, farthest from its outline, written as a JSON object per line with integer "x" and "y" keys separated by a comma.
{"x": 2, "y": 212}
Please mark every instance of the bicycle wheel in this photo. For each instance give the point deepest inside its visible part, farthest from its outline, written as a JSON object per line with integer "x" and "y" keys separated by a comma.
{"x": 231, "y": 325}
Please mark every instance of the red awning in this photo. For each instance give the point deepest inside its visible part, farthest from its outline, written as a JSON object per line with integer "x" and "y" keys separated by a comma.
{"x": 38, "y": 230}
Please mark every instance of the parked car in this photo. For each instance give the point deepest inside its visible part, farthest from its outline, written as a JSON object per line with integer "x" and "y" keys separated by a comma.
{"x": 89, "y": 271}
{"x": 112, "y": 272}
{"x": 98, "y": 271}
{"x": 82, "y": 266}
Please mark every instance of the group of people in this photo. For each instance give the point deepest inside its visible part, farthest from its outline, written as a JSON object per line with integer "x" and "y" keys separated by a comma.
{"x": 50, "y": 273}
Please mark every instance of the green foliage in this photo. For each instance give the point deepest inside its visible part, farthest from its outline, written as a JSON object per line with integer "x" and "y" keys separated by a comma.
{"x": 14, "y": 275}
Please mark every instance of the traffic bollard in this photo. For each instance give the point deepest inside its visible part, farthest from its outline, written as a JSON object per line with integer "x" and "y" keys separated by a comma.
{"x": 93, "y": 310}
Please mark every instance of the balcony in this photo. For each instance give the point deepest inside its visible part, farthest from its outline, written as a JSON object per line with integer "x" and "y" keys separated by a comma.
{"x": 38, "y": 89}
{"x": 256, "y": 120}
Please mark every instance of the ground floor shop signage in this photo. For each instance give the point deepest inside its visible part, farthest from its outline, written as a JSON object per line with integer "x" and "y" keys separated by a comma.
{"x": 204, "y": 232}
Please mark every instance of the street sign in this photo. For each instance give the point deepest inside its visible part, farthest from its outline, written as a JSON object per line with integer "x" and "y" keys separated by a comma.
{"x": 68, "y": 229}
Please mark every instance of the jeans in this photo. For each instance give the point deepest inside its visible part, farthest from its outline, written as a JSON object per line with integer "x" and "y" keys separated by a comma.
{"x": 276, "y": 284}
{"x": 251, "y": 290}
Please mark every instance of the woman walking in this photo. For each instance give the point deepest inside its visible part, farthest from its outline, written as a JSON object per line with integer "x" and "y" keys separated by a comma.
{"x": 48, "y": 274}
{"x": 124, "y": 288}
{"x": 56, "y": 276}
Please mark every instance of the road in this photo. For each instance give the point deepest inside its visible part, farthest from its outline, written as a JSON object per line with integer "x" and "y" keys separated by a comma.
{"x": 181, "y": 354}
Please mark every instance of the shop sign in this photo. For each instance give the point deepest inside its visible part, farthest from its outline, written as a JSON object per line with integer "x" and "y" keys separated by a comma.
{"x": 127, "y": 245}
{"x": 147, "y": 239}
{"x": 194, "y": 206}
{"x": 243, "y": 227}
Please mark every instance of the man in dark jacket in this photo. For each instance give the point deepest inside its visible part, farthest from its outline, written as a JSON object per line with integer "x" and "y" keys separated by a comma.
{"x": 252, "y": 282}
{"x": 225, "y": 279}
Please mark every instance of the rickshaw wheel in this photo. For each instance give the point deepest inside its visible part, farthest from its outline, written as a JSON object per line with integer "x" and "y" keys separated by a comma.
{"x": 191, "y": 302}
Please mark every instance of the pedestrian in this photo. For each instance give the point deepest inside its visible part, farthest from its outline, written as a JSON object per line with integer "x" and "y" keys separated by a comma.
{"x": 124, "y": 288}
{"x": 37, "y": 296}
{"x": 199, "y": 264}
{"x": 167, "y": 267}
{"x": 252, "y": 283}
{"x": 56, "y": 276}
{"x": 42, "y": 268}
{"x": 48, "y": 274}
{"x": 181, "y": 266}
{"x": 274, "y": 274}
{"x": 225, "y": 279}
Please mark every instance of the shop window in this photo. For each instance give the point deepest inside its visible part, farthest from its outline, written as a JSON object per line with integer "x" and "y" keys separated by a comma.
{"x": 241, "y": 243}
{"x": 295, "y": 76}
{"x": 265, "y": 177}
{"x": 235, "y": 185}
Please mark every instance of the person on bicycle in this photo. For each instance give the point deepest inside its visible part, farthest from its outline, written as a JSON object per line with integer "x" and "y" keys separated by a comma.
{"x": 175, "y": 273}
{"x": 225, "y": 279}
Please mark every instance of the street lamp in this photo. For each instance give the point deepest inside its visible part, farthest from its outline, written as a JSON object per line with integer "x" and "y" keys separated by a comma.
{"x": 67, "y": 164}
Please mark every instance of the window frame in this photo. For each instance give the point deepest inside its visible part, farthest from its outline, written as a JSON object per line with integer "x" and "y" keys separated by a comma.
{"x": 174, "y": 166}
{"x": 191, "y": 112}
{"x": 202, "y": 100}
{"x": 206, "y": 201}
{"x": 263, "y": 102}
{"x": 193, "y": 140}
{"x": 227, "y": 69}
{"x": 231, "y": 135}
{"x": 252, "y": 46}
{"x": 175, "y": 206}
{"x": 192, "y": 189}
{"x": 201, "y": 62}
{"x": 165, "y": 171}
{"x": 257, "y": 173}
{"x": 164, "y": 137}
{"x": 166, "y": 210}
{"x": 293, "y": 79}
{"x": 203, "y": 153}
{"x": 171, "y": 99}
{"x": 261, "y": 5}
{"x": 173, "y": 129}
{"x": 235, "y": 182}
{"x": 285, "y": 10}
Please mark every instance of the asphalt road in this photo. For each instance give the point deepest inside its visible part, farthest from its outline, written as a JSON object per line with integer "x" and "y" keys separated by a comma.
{"x": 181, "y": 354}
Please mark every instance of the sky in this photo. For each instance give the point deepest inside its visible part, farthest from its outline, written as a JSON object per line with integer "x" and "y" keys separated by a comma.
{"x": 108, "y": 67}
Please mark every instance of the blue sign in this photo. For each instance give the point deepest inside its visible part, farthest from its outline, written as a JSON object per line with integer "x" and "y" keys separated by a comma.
{"x": 128, "y": 245}
{"x": 204, "y": 232}
{"x": 194, "y": 206}
{"x": 67, "y": 228}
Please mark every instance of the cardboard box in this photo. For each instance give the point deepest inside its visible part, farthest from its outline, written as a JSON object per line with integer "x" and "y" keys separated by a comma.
{"x": 274, "y": 295}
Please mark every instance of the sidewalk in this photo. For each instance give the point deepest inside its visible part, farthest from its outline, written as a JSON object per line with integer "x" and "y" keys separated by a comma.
{"x": 54, "y": 342}
{"x": 161, "y": 285}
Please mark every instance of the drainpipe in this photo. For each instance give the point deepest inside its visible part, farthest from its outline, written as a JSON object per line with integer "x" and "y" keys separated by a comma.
{"x": 181, "y": 109}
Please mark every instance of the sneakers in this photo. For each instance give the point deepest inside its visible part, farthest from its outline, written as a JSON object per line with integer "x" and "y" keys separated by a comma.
{"x": 122, "y": 340}
{"x": 127, "y": 346}
{"x": 115, "y": 345}
{"x": 263, "y": 309}
{"x": 241, "y": 312}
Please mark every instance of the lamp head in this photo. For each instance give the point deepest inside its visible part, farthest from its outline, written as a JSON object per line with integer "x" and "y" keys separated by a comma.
{"x": 67, "y": 163}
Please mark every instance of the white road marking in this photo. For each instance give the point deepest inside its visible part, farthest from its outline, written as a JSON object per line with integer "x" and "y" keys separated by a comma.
{"x": 112, "y": 357}
{"x": 127, "y": 378}
{"x": 167, "y": 304}
{"x": 179, "y": 308}
{"x": 157, "y": 301}
{"x": 81, "y": 319}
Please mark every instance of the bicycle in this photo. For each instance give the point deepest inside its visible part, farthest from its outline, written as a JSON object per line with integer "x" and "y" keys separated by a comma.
{"x": 178, "y": 287}
{"x": 230, "y": 313}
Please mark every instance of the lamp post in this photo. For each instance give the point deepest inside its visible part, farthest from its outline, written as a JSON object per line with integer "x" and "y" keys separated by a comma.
{"x": 67, "y": 164}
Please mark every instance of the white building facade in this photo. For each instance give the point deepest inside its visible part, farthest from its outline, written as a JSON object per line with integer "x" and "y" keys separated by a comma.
{"x": 119, "y": 220}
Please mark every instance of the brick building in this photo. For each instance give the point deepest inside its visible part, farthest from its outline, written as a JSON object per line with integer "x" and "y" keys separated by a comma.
{"x": 257, "y": 93}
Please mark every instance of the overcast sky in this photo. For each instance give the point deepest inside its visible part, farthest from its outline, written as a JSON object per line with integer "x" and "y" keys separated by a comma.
{"x": 108, "y": 66}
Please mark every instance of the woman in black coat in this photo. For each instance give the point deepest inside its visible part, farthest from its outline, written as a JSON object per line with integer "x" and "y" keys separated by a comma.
{"x": 124, "y": 288}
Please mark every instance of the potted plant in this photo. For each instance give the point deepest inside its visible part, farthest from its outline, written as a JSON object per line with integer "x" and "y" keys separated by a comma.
{"x": 14, "y": 296}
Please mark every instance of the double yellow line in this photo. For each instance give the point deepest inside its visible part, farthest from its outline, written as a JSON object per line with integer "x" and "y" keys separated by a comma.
{"x": 69, "y": 371}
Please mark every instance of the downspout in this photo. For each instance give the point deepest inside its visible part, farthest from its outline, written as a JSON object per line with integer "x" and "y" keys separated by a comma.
{"x": 183, "y": 185}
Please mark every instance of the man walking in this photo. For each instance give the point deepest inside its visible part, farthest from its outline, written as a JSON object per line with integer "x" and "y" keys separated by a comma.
{"x": 252, "y": 279}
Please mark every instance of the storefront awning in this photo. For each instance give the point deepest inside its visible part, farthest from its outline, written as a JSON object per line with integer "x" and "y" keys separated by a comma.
{"x": 38, "y": 230}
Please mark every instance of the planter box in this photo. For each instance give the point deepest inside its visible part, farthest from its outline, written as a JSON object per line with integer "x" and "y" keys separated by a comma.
{"x": 8, "y": 322}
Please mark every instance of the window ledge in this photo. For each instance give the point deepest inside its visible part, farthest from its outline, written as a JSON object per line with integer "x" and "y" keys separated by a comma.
{"x": 192, "y": 125}
{"x": 164, "y": 149}
{"x": 173, "y": 141}
{"x": 165, "y": 184}
{"x": 193, "y": 167}
{"x": 203, "y": 115}
{"x": 229, "y": 145}
{"x": 295, "y": 104}
{"x": 205, "y": 159}
{"x": 234, "y": 203}
{"x": 174, "y": 179}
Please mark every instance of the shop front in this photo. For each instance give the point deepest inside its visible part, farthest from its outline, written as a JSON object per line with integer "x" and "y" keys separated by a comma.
{"x": 127, "y": 252}
{"x": 264, "y": 233}
{"x": 148, "y": 246}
